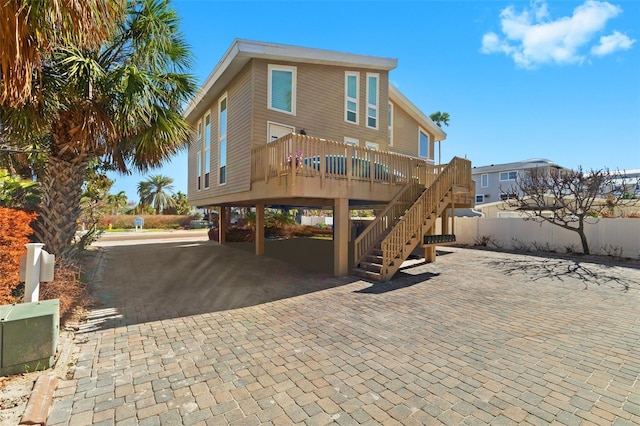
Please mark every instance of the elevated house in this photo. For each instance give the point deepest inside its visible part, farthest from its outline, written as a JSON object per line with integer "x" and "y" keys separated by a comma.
{"x": 282, "y": 125}
{"x": 497, "y": 182}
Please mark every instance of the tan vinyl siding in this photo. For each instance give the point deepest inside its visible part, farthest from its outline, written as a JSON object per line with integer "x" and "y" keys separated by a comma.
{"x": 320, "y": 104}
{"x": 238, "y": 143}
{"x": 405, "y": 134}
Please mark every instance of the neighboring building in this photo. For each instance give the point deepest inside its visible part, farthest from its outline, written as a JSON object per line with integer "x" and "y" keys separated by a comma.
{"x": 498, "y": 181}
{"x": 284, "y": 125}
{"x": 626, "y": 183}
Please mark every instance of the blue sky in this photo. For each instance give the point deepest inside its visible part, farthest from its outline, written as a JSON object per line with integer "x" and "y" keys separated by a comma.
{"x": 557, "y": 79}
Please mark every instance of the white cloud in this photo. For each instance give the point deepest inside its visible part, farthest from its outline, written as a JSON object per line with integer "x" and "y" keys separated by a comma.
{"x": 611, "y": 43}
{"x": 531, "y": 38}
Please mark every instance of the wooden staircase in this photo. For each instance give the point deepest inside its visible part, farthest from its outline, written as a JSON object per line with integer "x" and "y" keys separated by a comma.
{"x": 389, "y": 240}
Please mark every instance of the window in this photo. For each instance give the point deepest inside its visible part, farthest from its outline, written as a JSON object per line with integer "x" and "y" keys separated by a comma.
{"x": 484, "y": 180}
{"x": 351, "y": 141}
{"x": 372, "y": 101}
{"x": 282, "y": 89}
{"x": 508, "y": 175}
{"x": 508, "y": 196}
{"x": 199, "y": 166}
{"x": 351, "y": 89}
{"x": 390, "y": 124}
{"x": 423, "y": 144}
{"x": 199, "y": 127}
{"x": 479, "y": 198}
{"x": 371, "y": 145}
{"x": 207, "y": 150}
{"x": 222, "y": 139}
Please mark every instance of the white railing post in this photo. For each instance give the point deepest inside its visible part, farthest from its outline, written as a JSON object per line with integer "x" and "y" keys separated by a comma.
{"x": 32, "y": 272}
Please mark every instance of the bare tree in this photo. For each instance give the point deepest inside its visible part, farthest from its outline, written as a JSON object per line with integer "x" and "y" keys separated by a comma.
{"x": 566, "y": 198}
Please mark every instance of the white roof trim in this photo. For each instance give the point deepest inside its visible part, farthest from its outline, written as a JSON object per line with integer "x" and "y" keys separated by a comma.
{"x": 285, "y": 52}
{"x": 241, "y": 51}
{"x": 398, "y": 98}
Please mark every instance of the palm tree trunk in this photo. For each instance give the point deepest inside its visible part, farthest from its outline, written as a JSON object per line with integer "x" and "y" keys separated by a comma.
{"x": 60, "y": 205}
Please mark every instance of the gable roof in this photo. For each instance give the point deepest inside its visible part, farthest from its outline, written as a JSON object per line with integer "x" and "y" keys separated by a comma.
{"x": 242, "y": 51}
{"x": 398, "y": 98}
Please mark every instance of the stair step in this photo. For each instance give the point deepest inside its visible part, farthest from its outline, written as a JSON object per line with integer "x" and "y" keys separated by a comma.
{"x": 374, "y": 258}
{"x": 371, "y": 266}
{"x": 374, "y": 276}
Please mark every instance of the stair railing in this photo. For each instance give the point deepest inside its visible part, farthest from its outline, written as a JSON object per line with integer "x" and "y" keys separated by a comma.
{"x": 383, "y": 221}
{"x": 457, "y": 172}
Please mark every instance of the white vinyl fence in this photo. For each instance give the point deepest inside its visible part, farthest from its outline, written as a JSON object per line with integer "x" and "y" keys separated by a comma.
{"x": 617, "y": 237}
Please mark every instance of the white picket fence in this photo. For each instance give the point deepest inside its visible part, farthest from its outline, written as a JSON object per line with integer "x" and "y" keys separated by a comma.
{"x": 619, "y": 237}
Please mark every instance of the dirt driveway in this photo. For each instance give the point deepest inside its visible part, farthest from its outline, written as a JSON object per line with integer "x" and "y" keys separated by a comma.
{"x": 196, "y": 333}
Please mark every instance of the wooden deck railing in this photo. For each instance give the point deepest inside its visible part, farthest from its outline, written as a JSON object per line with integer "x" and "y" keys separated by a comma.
{"x": 300, "y": 155}
{"x": 412, "y": 224}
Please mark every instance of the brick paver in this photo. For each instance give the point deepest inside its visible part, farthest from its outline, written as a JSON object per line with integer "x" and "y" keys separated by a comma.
{"x": 478, "y": 337}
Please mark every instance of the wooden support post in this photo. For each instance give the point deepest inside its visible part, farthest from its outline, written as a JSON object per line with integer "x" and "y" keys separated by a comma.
{"x": 259, "y": 229}
{"x": 222, "y": 226}
{"x": 430, "y": 251}
{"x": 445, "y": 221}
{"x": 340, "y": 237}
{"x": 453, "y": 217}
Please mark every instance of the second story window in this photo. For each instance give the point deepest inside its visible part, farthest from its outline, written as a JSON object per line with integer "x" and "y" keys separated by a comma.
{"x": 199, "y": 167}
{"x": 222, "y": 139}
{"x": 484, "y": 180}
{"x": 282, "y": 89}
{"x": 508, "y": 175}
{"x": 351, "y": 89}
{"x": 372, "y": 100}
{"x": 207, "y": 151}
{"x": 390, "y": 125}
{"x": 423, "y": 144}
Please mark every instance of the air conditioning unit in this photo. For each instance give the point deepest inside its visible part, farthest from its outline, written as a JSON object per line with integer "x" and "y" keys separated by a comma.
{"x": 28, "y": 336}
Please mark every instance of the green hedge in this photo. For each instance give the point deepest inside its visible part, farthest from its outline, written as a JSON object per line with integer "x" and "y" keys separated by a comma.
{"x": 150, "y": 221}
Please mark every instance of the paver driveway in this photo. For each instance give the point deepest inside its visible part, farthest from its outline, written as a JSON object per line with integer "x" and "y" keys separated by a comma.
{"x": 198, "y": 333}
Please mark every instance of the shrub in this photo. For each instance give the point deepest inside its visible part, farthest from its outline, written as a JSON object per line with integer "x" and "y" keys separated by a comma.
{"x": 14, "y": 234}
{"x": 151, "y": 221}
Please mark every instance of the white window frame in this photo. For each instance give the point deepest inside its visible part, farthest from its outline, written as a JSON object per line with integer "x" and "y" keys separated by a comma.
{"x": 390, "y": 124}
{"x": 377, "y": 104}
{"x": 372, "y": 145}
{"x": 222, "y": 137}
{"x": 207, "y": 150}
{"x": 293, "y": 128}
{"x": 294, "y": 78}
{"x": 484, "y": 180}
{"x": 348, "y": 74}
{"x": 422, "y": 131}
{"x": 481, "y": 196}
{"x": 199, "y": 170}
{"x": 508, "y": 175}
{"x": 351, "y": 141}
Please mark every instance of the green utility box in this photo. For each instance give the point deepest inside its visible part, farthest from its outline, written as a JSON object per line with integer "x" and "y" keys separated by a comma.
{"x": 28, "y": 336}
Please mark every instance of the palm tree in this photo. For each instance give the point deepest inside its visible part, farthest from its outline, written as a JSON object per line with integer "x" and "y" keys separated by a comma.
{"x": 31, "y": 29}
{"x": 117, "y": 201}
{"x": 121, "y": 103}
{"x": 440, "y": 118}
{"x": 156, "y": 191}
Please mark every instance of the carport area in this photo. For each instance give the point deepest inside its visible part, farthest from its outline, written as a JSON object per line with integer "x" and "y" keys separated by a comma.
{"x": 197, "y": 333}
